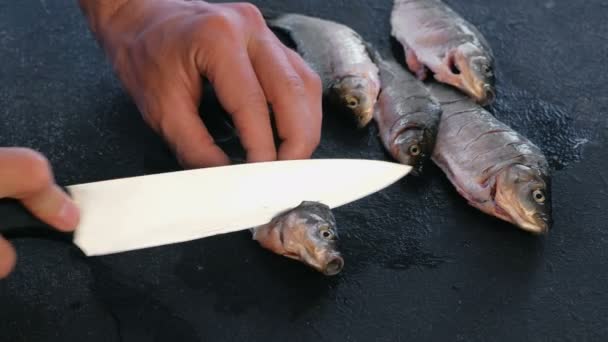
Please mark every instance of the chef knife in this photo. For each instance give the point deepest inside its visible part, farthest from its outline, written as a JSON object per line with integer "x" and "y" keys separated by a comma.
{"x": 147, "y": 211}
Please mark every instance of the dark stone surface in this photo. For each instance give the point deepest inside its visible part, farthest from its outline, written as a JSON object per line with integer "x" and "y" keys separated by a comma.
{"x": 420, "y": 263}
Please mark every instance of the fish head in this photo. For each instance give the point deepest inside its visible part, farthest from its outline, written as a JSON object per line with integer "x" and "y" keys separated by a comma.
{"x": 357, "y": 95}
{"x": 476, "y": 71}
{"x": 309, "y": 234}
{"x": 523, "y": 197}
{"x": 412, "y": 147}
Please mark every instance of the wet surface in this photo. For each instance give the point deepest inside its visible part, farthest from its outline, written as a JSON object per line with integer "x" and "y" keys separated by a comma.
{"x": 547, "y": 125}
{"x": 420, "y": 263}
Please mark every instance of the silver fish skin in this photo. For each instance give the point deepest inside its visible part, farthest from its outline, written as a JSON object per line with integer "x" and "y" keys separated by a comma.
{"x": 337, "y": 53}
{"x": 307, "y": 233}
{"x": 496, "y": 169}
{"x": 406, "y": 114}
{"x": 435, "y": 37}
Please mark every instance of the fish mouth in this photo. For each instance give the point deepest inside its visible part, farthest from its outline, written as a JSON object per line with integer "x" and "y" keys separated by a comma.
{"x": 484, "y": 94}
{"x": 364, "y": 117}
{"x": 538, "y": 224}
{"x": 535, "y": 228}
{"x": 333, "y": 266}
{"x": 328, "y": 263}
{"x": 489, "y": 95}
{"x": 477, "y": 86}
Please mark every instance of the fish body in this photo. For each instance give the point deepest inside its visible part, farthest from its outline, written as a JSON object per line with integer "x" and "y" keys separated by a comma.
{"x": 337, "y": 53}
{"x": 406, "y": 114}
{"x": 498, "y": 170}
{"x": 435, "y": 37}
{"x": 307, "y": 233}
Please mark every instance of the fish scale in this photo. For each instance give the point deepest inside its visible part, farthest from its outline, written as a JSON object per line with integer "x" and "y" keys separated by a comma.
{"x": 477, "y": 152}
{"x": 474, "y": 127}
{"x": 404, "y": 107}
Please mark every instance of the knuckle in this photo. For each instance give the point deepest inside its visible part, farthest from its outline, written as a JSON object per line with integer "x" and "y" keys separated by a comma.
{"x": 217, "y": 22}
{"x": 295, "y": 83}
{"x": 313, "y": 81}
{"x": 250, "y": 12}
{"x": 251, "y": 102}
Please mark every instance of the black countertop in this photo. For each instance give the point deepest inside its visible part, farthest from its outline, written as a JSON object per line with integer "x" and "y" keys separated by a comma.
{"x": 420, "y": 263}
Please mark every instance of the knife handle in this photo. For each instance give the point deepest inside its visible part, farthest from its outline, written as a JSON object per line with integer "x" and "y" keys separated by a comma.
{"x": 15, "y": 219}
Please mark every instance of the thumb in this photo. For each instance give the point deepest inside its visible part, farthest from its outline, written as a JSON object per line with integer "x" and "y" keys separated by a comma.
{"x": 7, "y": 258}
{"x": 26, "y": 175}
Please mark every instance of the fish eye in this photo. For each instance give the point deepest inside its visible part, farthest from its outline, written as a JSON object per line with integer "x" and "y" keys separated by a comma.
{"x": 538, "y": 196}
{"x": 352, "y": 101}
{"x": 326, "y": 233}
{"x": 487, "y": 69}
{"x": 414, "y": 150}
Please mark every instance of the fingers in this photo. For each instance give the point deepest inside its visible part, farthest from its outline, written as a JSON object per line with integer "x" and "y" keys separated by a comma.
{"x": 302, "y": 137}
{"x": 270, "y": 72}
{"x": 291, "y": 98}
{"x": 184, "y": 131}
{"x": 26, "y": 175}
{"x": 230, "y": 72}
{"x": 248, "y": 68}
{"x": 7, "y": 258}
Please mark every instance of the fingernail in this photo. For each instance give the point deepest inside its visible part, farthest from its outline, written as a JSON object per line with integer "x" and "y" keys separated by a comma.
{"x": 69, "y": 214}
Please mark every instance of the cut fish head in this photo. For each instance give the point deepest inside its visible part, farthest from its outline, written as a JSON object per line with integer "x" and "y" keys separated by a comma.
{"x": 524, "y": 195}
{"x": 307, "y": 233}
{"x": 475, "y": 69}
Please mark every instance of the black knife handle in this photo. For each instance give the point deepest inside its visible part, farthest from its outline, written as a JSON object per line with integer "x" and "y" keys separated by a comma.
{"x": 15, "y": 219}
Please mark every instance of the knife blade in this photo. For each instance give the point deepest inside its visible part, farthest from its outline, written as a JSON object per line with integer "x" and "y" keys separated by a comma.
{"x": 133, "y": 213}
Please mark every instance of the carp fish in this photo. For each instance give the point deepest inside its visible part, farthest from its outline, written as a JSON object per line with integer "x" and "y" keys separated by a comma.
{"x": 496, "y": 169}
{"x": 406, "y": 114}
{"x": 337, "y": 54}
{"x": 435, "y": 37}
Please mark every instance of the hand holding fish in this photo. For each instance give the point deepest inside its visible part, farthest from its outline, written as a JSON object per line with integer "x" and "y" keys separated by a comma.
{"x": 25, "y": 175}
{"x": 162, "y": 50}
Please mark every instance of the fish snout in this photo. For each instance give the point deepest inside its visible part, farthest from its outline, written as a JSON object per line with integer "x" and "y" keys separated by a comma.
{"x": 543, "y": 222}
{"x": 537, "y": 224}
{"x": 334, "y": 265}
{"x": 364, "y": 117}
{"x": 489, "y": 94}
{"x": 484, "y": 94}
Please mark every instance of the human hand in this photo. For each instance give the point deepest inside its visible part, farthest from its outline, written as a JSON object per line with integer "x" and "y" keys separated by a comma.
{"x": 25, "y": 175}
{"x": 162, "y": 49}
